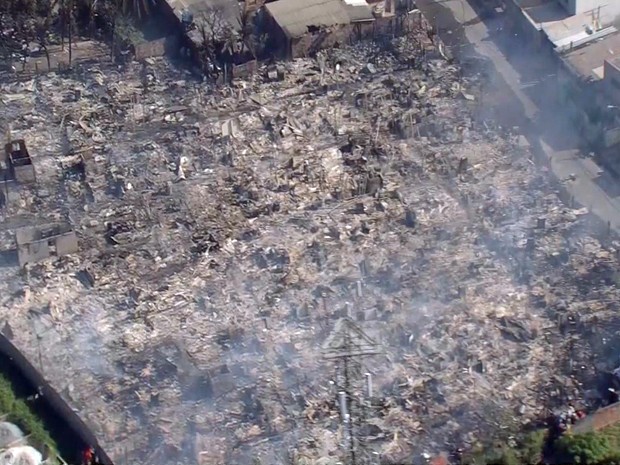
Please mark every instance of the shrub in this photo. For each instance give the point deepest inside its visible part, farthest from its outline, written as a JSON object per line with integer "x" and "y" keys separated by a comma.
{"x": 531, "y": 447}
{"x": 586, "y": 449}
{"x": 499, "y": 455}
{"x": 614, "y": 459}
{"x": 506, "y": 456}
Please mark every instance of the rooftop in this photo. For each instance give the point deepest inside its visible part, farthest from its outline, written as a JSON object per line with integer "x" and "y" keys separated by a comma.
{"x": 359, "y": 13}
{"x": 542, "y": 11}
{"x": 358, "y": 10}
{"x": 561, "y": 28}
{"x": 294, "y": 16}
{"x": 588, "y": 61}
{"x": 576, "y": 31}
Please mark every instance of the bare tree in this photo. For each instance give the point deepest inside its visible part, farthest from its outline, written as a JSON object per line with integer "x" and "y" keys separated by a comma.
{"x": 138, "y": 8}
{"x": 214, "y": 27}
{"x": 25, "y": 28}
{"x": 70, "y": 21}
{"x": 247, "y": 28}
{"x": 91, "y": 6}
{"x": 17, "y": 20}
{"x": 42, "y": 40}
{"x": 217, "y": 37}
{"x": 67, "y": 25}
{"x": 43, "y": 29}
{"x": 16, "y": 8}
{"x": 63, "y": 22}
{"x": 256, "y": 43}
{"x": 109, "y": 11}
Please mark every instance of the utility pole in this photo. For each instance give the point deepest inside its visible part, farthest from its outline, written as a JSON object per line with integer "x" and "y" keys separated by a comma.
{"x": 347, "y": 345}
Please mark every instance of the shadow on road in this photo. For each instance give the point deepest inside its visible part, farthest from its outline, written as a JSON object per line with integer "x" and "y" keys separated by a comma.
{"x": 538, "y": 76}
{"x": 498, "y": 103}
{"x": 610, "y": 185}
{"x": 549, "y": 121}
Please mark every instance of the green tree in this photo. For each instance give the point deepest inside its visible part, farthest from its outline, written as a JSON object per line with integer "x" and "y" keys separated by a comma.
{"x": 498, "y": 455}
{"x": 532, "y": 446}
{"x": 586, "y": 449}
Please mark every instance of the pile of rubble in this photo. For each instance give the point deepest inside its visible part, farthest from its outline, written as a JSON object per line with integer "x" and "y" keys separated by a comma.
{"x": 223, "y": 231}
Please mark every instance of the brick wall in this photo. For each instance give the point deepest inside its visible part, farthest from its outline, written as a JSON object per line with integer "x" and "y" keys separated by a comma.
{"x": 600, "y": 419}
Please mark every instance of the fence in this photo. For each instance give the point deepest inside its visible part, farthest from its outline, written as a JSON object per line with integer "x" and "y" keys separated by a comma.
{"x": 600, "y": 419}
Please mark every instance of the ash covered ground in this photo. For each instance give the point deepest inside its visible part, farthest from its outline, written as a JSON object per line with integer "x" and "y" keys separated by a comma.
{"x": 224, "y": 231}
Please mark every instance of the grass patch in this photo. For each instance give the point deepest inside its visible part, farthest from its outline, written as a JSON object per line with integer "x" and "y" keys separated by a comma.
{"x": 528, "y": 449}
{"x": 18, "y": 412}
{"x": 587, "y": 449}
{"x": 612, "y": 434}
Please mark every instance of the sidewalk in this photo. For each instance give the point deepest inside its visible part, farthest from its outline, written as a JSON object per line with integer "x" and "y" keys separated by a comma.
{"x": 554, "y": 137}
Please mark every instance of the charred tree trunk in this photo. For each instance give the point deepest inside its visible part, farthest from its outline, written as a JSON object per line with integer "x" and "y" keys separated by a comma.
{"x": 91, "y": 23}
{"x": 47, "y": 56}
{"x": 62, "y": 24}
{"x": 113, "y": 37}
{"x": 70, "y": 18}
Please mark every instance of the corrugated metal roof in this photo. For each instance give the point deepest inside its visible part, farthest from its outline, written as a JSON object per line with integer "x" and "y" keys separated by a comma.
{"x": 294, "y": 16}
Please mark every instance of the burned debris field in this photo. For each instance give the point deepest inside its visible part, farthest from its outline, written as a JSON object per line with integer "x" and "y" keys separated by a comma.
{"x": 224, "y": 231}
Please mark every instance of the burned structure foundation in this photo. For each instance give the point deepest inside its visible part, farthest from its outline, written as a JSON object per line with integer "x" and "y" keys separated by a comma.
{"x": 19, "y": 165}
{"x": 38, "y": 243}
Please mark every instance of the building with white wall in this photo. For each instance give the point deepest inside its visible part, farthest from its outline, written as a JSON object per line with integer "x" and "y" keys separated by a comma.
{"x": 583, "y": 38}
{"x": 576, "y": 7}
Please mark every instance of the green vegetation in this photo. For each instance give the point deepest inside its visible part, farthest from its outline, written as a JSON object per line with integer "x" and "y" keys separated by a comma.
{"x": 587, "y": 449}
{"x": 17, "y": 411}
{"x": 595, "y": 448}
{"x": 532, "y": 446}
{"x": 528, "y": 450}
{"x": 496, "y": 455}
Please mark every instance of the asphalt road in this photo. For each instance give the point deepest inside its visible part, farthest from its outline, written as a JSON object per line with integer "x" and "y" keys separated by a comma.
{"x": 523, "y": 93}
